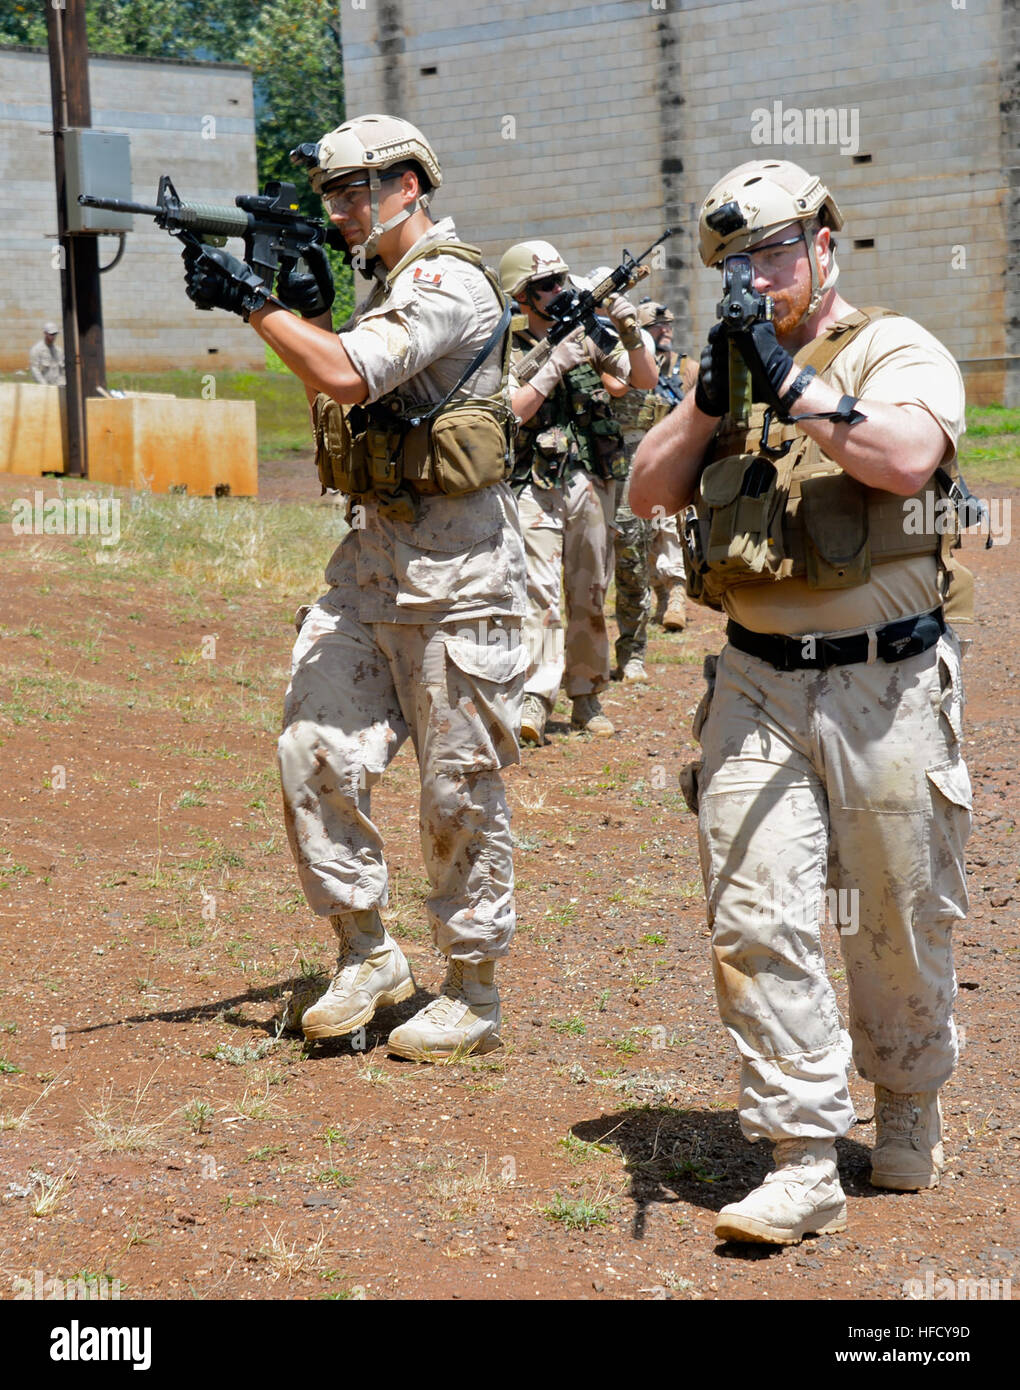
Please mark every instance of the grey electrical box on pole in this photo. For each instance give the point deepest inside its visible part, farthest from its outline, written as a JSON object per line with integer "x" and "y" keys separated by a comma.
{"x": 97, "y": 162}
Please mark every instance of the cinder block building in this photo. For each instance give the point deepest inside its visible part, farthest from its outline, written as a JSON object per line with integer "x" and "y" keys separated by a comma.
{"x": 195, "y": 121}
{"x": 596, "y": 125}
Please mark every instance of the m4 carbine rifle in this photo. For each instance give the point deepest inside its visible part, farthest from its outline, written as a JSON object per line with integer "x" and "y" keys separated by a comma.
{"x": 274, "y": 229}
{"x": 575, "y": 308}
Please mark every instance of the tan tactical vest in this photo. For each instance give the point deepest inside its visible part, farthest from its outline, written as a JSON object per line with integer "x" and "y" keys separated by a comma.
{"x": 396, "y": 452}
{"x": 775, "y": 508}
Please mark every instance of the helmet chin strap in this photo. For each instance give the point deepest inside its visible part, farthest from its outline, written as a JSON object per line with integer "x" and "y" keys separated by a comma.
{"x": 819, "y": 287}
{"x": 378, "y": 229}
{"x": 529, "y": 297}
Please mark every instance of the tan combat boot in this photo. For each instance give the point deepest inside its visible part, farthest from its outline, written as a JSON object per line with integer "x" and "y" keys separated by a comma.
{"x": 671, "y": 607}
{"x": 371, "y": 972}
{"x": 587, "y": 715}
{"x": 634, "y": 671}
{"x": 908, "y": 1140}
{"x": 533, "y": 717}
{"x": 801, "y": 1197}
{"x": 466, "y": 1017}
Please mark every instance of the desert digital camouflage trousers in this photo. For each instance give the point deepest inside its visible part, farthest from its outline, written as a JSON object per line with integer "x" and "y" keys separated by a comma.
{"x": 648, "y": 556}
{"x": 839, "y": 795}
{"x": 566, "y": 543}
{"x": 356, "y": 693}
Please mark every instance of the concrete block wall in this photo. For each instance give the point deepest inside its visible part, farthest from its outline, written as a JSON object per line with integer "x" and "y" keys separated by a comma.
{"x": 149, "y": 322}
{"x": 592, "y": 125}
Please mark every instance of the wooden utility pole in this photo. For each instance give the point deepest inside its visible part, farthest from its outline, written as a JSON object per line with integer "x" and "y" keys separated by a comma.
{"x": 85, "y": 361}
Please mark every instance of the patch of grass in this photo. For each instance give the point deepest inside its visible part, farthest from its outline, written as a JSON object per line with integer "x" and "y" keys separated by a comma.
{"x": 264, "y": 1153}
{"x": 286, "y": 1260}
{"x": 197, "y": 1114}
{"x": 990, "y": 450}
{"x": 575, "y": 1026}
{"x": 50, "y": 699}
{"x": 9, "y": 1068}
{"x": 116, "y": 1121}
{"x": 689, "y": 1168}
{"x": 257, "y": 1107}
{"x": 581, "y": 1151}
{"x": 246, "y": 1200}
{"x": 49, "y": 1192}
{"x": 238, "y": 1056}
{"x": 580, "y": 1213}
{"x": 334, "y": 1177}
{"x": 525, "y": 843}
{"x": 190, "y": 799}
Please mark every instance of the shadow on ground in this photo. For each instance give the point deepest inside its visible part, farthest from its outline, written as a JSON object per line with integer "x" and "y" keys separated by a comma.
{"x": 700, "y": 1157}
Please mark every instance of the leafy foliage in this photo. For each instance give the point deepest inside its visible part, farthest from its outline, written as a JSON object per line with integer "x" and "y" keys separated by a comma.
{"x": 292, "y": 47}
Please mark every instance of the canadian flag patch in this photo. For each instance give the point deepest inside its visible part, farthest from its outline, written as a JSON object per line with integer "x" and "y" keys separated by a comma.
{"x": 428, "y": 277}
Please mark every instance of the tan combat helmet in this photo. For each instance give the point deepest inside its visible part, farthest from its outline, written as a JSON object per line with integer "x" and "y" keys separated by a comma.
{"x": 758, "y": 198}
{"x": 529, "y": 260}
{"x": 375, "y": 143}
{"x": 651, "y": 312}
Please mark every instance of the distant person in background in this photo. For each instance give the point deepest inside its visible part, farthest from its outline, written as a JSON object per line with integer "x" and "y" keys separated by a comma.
{"x": 47, "y": 359}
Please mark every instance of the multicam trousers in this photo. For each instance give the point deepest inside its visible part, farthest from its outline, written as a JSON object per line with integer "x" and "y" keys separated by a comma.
{"x": 843, "y": 794}
{"x": 648, "y": 556}
{"x": 357, "y": 691}
{"x": 567, "y": 529}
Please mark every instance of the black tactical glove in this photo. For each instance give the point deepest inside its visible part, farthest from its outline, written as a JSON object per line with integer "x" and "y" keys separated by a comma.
{"x": 310, "y": 294}
{"x": 768, "y": 363}
{"x": 217, "y": 280}
{"x": 712, "y": 392}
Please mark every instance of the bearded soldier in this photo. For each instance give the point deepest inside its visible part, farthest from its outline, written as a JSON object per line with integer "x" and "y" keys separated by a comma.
{"x": 418, "y": 634}
{"x": 649, "y": 558}
{"x": 569, "y": 453}
{"x": 832, "y": 775}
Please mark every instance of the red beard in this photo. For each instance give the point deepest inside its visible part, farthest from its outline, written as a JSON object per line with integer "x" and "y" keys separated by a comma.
{"x": 789, "y": 309}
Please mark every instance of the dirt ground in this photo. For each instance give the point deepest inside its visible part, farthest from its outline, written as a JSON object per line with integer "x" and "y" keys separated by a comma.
{"x": 159, "y": 1129}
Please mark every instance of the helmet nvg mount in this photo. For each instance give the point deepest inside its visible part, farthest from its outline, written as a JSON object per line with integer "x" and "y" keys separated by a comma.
{"x": 650, "y": 313}
{"x": 373, "y": 143}
{"x": 758, "y": 198}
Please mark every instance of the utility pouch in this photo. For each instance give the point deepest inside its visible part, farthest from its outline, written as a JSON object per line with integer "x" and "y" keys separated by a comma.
{"x": 470, "y": 448}
{"x": 745, "y": 501}
{"x": 550, "y": 454}
{"x": 653, "y": 409}
{"x": 340, "y": 462}
{"x": 384, "y": 442}
{"x": 834, "y": 513}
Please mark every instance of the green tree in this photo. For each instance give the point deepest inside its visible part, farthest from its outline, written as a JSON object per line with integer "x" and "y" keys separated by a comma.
{"x": 298, "y": 98}
{"x": 292, "y": 47}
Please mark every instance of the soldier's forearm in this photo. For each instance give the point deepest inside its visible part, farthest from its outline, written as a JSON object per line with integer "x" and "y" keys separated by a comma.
{"x": 644, "y": 371}
{"x": 525, "y": 402}
{"x": 896, "y": 448}
{"x": 312, "y": 351}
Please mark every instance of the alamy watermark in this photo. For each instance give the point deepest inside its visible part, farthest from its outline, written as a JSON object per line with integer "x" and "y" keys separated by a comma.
{"x": 933, "y": 1287}
{"x": 838, "y": 907}
{"x": 84, "y": 1288}
{"x": 67, "y": 516}
{"x": 813, "y": 125}
{"x": 940, "y": 516}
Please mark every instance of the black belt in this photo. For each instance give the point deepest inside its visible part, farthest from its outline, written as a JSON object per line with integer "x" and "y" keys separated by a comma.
{"x": 894, "y": 642}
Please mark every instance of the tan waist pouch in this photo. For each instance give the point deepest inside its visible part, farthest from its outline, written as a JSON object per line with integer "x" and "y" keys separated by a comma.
{"x": 465, "y": 448}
